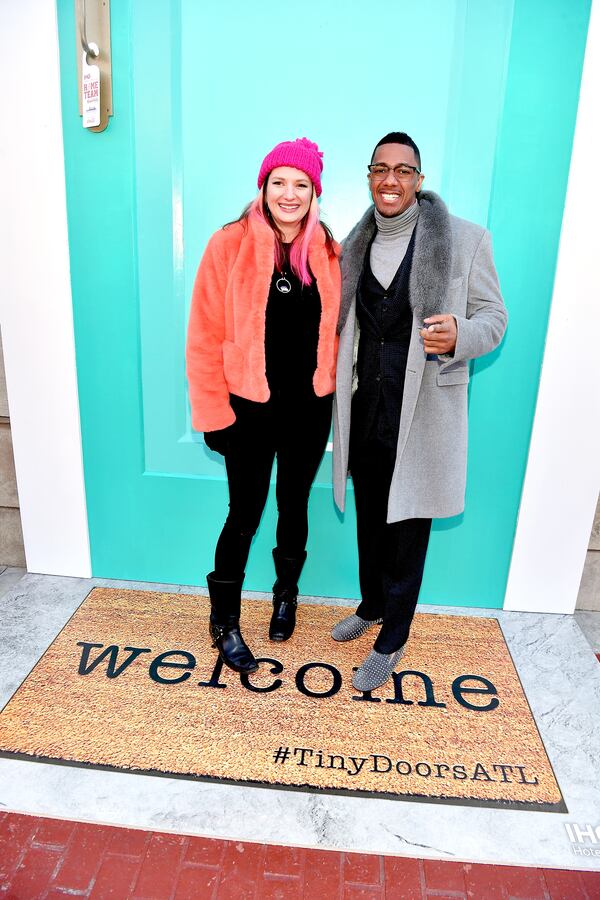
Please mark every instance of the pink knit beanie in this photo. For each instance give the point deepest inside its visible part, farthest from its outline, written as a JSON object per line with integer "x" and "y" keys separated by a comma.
{"x": 300, "y": 154}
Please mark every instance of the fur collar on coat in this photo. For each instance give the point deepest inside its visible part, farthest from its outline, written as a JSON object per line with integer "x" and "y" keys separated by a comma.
{"x": 430, "y": 271}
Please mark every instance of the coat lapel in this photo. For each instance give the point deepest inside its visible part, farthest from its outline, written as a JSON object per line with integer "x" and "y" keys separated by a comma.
{"x": 415, "y": 366}
{"x": 429, "y": 279}
{"x": 432, "y": 257}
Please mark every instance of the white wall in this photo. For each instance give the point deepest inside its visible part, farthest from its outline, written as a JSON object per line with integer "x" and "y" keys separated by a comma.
{"x": 35, "y": 294}
{"x": 563, "y": 468}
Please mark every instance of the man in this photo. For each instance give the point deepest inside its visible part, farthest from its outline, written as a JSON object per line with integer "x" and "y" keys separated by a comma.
{"x": 420, "y": 298}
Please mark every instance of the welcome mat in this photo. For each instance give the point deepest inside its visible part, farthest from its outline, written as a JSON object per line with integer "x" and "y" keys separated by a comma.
{"x": 131, "y": 682}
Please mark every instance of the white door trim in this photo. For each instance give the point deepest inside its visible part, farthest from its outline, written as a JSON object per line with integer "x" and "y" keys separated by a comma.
{"x": 562, "y": 480}
{"x": 36, "y": 306}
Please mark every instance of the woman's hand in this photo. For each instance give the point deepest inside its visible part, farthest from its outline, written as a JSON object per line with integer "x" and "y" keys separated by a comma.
{"x": 220, "y": 441}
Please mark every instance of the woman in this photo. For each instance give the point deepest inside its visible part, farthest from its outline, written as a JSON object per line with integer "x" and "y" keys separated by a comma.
{"x": 261, "y": 355}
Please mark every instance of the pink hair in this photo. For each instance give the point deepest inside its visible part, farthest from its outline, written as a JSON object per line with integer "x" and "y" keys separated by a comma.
{"x": 300, "y": 244}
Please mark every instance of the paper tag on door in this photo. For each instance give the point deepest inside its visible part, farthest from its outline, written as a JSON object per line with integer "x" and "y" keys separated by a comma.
{"x": 90, "y": 93}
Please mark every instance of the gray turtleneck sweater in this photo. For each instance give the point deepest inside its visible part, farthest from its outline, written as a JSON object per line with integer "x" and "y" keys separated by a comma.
{"x": 391, "y": 242}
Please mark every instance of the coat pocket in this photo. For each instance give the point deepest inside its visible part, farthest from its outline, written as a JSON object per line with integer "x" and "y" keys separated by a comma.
{"x": 453, "y": 373}
{"x": 233, "y": 362}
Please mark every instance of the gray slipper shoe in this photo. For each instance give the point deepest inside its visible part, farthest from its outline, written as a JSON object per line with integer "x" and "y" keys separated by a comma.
{"x": 376, "y": 670}
{"x": 352, "y": 627}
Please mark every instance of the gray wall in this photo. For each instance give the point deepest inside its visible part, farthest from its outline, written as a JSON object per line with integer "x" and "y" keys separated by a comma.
{"x": 589, "y": 591}
{"x": 11, "y": 536}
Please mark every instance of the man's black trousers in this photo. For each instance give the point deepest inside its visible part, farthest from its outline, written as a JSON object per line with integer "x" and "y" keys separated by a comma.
{"x": 391, "y": 557}
{"x": 294, "y": 428}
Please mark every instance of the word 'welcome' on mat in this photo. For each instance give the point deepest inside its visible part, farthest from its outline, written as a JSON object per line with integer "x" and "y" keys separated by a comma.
{"x": 132, "y": 682}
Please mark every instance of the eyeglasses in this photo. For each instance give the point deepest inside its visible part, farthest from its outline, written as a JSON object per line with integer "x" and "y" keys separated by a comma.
{"x": 379, "y": 171}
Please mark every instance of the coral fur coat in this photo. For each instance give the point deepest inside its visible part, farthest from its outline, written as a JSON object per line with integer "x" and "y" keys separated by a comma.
{"x": 226, "y": 334}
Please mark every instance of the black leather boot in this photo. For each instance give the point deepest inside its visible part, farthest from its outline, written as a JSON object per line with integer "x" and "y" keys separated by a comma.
{"x": 285, "y": 595}
{"x": 225, "y": 606}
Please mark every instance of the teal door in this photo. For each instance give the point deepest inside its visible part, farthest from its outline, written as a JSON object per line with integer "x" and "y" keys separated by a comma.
{"x": 200, "y": 93}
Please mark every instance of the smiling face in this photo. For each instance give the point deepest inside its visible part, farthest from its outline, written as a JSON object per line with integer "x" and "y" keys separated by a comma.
{"x": 392, "y": 195}
{"x": 288, "y": 195}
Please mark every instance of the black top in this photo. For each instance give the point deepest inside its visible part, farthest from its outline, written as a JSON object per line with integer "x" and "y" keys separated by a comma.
{"x": 291, "y": 333}
{"x": 385, "y": 318}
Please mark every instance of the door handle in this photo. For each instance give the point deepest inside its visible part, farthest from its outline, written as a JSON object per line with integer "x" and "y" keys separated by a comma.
{"x": 92, "y": 27}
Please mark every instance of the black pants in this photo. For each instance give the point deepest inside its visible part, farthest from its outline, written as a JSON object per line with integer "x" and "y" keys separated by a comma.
{"x": 391, "y": 557}
{"x": 293, "y": 427}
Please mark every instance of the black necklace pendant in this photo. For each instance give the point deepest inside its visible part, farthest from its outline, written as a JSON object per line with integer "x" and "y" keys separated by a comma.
{"x": 283, "y": 285}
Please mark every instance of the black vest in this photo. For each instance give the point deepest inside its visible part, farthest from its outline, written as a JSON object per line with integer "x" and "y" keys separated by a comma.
{"x": 386, "y": 321}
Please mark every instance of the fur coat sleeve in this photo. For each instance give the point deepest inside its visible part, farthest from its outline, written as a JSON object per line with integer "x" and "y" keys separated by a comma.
{"x": 209, "y": 393}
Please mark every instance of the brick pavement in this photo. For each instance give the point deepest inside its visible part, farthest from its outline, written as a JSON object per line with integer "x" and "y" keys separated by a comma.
{"x": 49, "y": 859}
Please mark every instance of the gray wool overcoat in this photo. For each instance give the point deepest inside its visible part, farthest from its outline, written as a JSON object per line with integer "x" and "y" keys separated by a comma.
{"x": 452, "y": 272}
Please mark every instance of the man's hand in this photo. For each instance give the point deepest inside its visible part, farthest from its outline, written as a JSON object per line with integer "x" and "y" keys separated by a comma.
{"x": 439, "y": 334}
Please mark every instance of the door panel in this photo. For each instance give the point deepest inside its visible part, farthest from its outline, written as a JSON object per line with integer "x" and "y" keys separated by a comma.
{"x": 219, "y": 111}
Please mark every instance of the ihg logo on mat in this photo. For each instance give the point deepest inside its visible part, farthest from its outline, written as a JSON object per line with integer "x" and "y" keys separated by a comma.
{"x": 473, "y": 692}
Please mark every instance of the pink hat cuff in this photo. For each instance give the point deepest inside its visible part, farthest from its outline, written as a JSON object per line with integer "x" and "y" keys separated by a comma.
{"x": 300, "y": 154}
